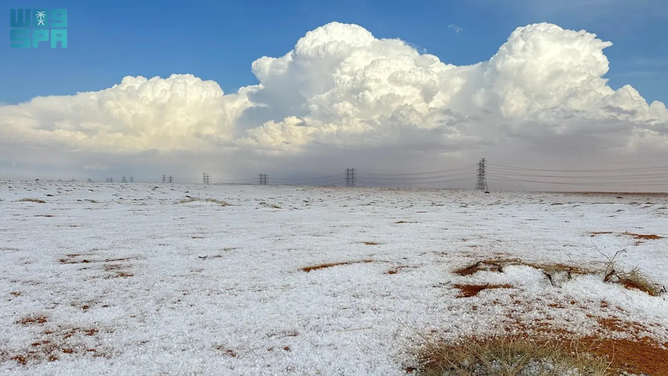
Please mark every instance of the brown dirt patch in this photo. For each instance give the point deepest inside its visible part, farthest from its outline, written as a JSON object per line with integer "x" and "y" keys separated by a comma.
{"x": 371, "y": 243}
{"x": 594, "y": 233}
{"x": 614, "y": 324}
{"x": 636, "y": 356}
{"x": 468, "y": 291}
{"x": 640, "y": 236}
{"x": 31, "y": 320}
{"x": 52, "y": 347}
{"x": 330, "y": 265}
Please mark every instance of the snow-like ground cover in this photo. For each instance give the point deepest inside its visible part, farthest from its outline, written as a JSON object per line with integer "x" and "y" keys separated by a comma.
{"x": 123, "y": 279}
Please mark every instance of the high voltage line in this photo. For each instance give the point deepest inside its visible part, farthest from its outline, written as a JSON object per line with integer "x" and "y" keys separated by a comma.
{"x": 604, "y": 177}
{"x": 503, "y": 167}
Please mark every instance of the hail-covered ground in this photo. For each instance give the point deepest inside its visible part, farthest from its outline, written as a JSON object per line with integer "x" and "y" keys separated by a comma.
{"x": 142, "y": 279}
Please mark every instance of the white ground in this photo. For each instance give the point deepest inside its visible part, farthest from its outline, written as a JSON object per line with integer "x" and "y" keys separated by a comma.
{"x": 157, "y": 287}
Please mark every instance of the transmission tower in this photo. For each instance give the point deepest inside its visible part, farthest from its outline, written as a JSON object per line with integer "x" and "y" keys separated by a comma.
{"x": 171, "y": 179}
{"x": 205, "y": 178}
{"x": 481, "y": 184}
{"x": 164, "y": 177}
{"x": 350, "y": 177}
{"x": 123, "y": 180}
{"x": 263, "y": 179}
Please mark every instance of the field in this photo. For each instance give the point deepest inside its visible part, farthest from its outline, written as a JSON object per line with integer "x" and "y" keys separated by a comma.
{"x": 141, "y": 279}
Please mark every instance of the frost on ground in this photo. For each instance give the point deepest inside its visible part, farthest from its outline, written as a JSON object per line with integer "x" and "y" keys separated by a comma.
{"x": 264, "y": 280}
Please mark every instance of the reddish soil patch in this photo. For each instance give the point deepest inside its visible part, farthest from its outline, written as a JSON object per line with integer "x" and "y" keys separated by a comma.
{"x": 638, "y": 355}
{"x": 468, "y": 291}
{"x": 594, "y": 233}
{"x": 614, "y": 324}
{"x": 49, "y": 349}
{"x": 32, "y": 320}
{"x": 323, "y": 266}
{"x": 639, "y": 236}
{"x": 644, "y": 356}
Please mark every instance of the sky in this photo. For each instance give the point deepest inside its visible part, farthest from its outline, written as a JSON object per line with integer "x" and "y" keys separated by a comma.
{"x": 311, "y": 88}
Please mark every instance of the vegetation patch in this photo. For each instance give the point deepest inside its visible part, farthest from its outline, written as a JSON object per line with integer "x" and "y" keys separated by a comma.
{"x": 35, "y": 200}
{"x": 633, "y": 280}
{"x": 330, "y": 265}
{"x": 196, "y": 199}
{"x": 507, "y": 356}
{"x": 488, "y": 265}
{"x": 468, "y": 291}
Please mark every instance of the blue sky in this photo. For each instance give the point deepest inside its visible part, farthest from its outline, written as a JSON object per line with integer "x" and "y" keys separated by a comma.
{"x": 218, "y": 40}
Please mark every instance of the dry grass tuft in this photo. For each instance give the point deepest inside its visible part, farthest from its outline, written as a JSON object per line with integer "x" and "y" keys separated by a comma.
{"x": 490, "y": 265}
{"x": 35, "y": 200}
{"x": 195, "y": 199}
{"x": 633, "y": 280}
{"x": 371, "y": 243}
{"x": 508, "y": 356}
{"x": 594, "y": 233}
{"x": 323, "y": 266}
{"x": 468, "y": 291}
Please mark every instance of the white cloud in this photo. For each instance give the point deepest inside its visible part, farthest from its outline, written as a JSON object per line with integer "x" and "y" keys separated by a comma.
{"x": 456, "y": 28}
{"x": 343, "y": 88}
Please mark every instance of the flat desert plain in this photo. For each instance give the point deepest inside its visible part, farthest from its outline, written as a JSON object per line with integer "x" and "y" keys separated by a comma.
{"x": 193, "y": 279}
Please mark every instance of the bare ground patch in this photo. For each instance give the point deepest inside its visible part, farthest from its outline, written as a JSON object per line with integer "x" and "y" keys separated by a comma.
{"x": 56, "y": 344}
{"x": 644, "y": 237}
{"x": 330, "y": 265}
{"x": 196, "y": 199}
{"x": 468, "y": 291}
{"x": 35, "y": 200}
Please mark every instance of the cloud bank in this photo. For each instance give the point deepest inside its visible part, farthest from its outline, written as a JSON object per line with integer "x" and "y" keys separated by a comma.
{"x": 343, "y": 93}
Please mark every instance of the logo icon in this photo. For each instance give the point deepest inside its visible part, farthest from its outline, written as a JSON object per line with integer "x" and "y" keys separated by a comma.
{"x": 41, "y": 15}
{"x": 34, "y": 28}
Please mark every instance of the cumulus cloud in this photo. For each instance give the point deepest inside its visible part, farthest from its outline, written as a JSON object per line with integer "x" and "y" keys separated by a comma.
{"x": 341, "y": 88}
